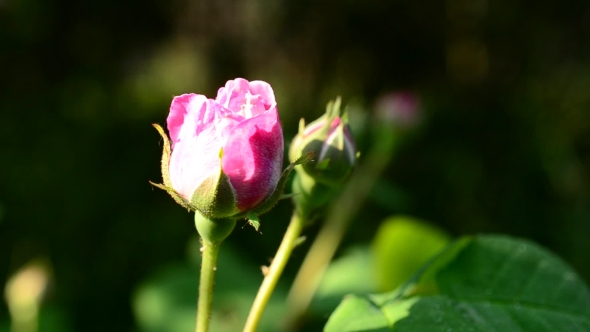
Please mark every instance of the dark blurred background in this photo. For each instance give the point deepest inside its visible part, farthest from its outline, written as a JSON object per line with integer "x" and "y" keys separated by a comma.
{"x": 503, "y": 144}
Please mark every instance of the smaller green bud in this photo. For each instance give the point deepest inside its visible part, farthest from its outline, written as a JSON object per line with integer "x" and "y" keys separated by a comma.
{"x": 330, "y": 139}
{"x": 318, "y": 181}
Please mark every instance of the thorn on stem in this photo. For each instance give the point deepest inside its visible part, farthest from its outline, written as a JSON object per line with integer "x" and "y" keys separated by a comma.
{"x": 299, "y": 241}
{"x": 264, "y": 269}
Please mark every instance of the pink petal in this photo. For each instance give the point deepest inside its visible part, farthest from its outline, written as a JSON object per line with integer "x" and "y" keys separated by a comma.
{"x": 232, "y": 95}
{"x": 265, "y": 91}
{"x": 193, "y": 161}
{"x": 253, "y": 158}
{"x": 195, "y": 154}
{"x": 179, "y": 109}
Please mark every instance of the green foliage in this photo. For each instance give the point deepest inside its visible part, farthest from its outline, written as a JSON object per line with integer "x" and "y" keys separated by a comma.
{"x": 486, "y": 283}
{"x": 50, "y": 319}
{"x": 167, "y": 302}
{"x": 350, "y": 273}
{"x": 401, "y": 246}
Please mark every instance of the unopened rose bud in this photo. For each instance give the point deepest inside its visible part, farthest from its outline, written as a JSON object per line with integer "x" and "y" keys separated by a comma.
{"x": 334, "y": 156}
{"x": 330, "y": 139}
{"x": 226, "y": 154}
{"x": 401, "y": 109}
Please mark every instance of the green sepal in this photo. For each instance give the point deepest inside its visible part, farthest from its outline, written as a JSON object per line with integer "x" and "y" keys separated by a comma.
{"x": 301, "y": 126}
{"x": 179, "y": 199}
{"x": 287, "y": 196}
{"x": 322, "y": 165}
{"x": 253, "y": 220}
{"x": 167, "y": 185}
{"x": 215, "y": 197}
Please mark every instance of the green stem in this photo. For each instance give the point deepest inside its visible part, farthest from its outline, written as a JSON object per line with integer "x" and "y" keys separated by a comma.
{"x": 274, "y": 272}
{"x": 337, "y": 221}
{"x": 208, "y": 267}
{"x": 212, "y": 232}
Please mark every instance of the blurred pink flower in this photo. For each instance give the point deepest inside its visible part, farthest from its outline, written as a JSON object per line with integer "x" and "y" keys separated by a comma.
{"x": 243, "y": 123}
{"x": 400, "y": 108}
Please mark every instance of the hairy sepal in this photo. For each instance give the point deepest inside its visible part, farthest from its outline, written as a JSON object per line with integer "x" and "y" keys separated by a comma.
{"x": 167, "y": 185}
{"x": 215, "y": 197}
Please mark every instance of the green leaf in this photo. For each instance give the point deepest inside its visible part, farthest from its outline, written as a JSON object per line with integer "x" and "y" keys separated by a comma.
{"x": 350, "y": 273}
{"x": 488, "y": 283}
{"x": 357, "y": 313}
{"x": 401, "y": 246}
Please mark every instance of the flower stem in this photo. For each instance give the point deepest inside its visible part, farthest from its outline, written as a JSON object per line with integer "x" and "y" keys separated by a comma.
{"x": 212, "y": 232}
{"x": 274, "y": 272}
{"x": 338, "y": 219}
{"x": 208, "y": 267}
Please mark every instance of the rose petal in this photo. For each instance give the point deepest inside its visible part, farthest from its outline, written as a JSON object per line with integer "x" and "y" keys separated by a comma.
{"x": 196, "y": 153}
{"x": 265, "y": 91}
{"x": 193, "y": 161}
{"x": 253, "y": 158}
{"x": 179, "y": 109}
{"x": 233, "y": 94}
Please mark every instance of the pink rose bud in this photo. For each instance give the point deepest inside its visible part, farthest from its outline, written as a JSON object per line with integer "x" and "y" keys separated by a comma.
{"x": 227, "y": 153}
{"x": 399, "y": 108}
{"x": 330, "y": 139}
